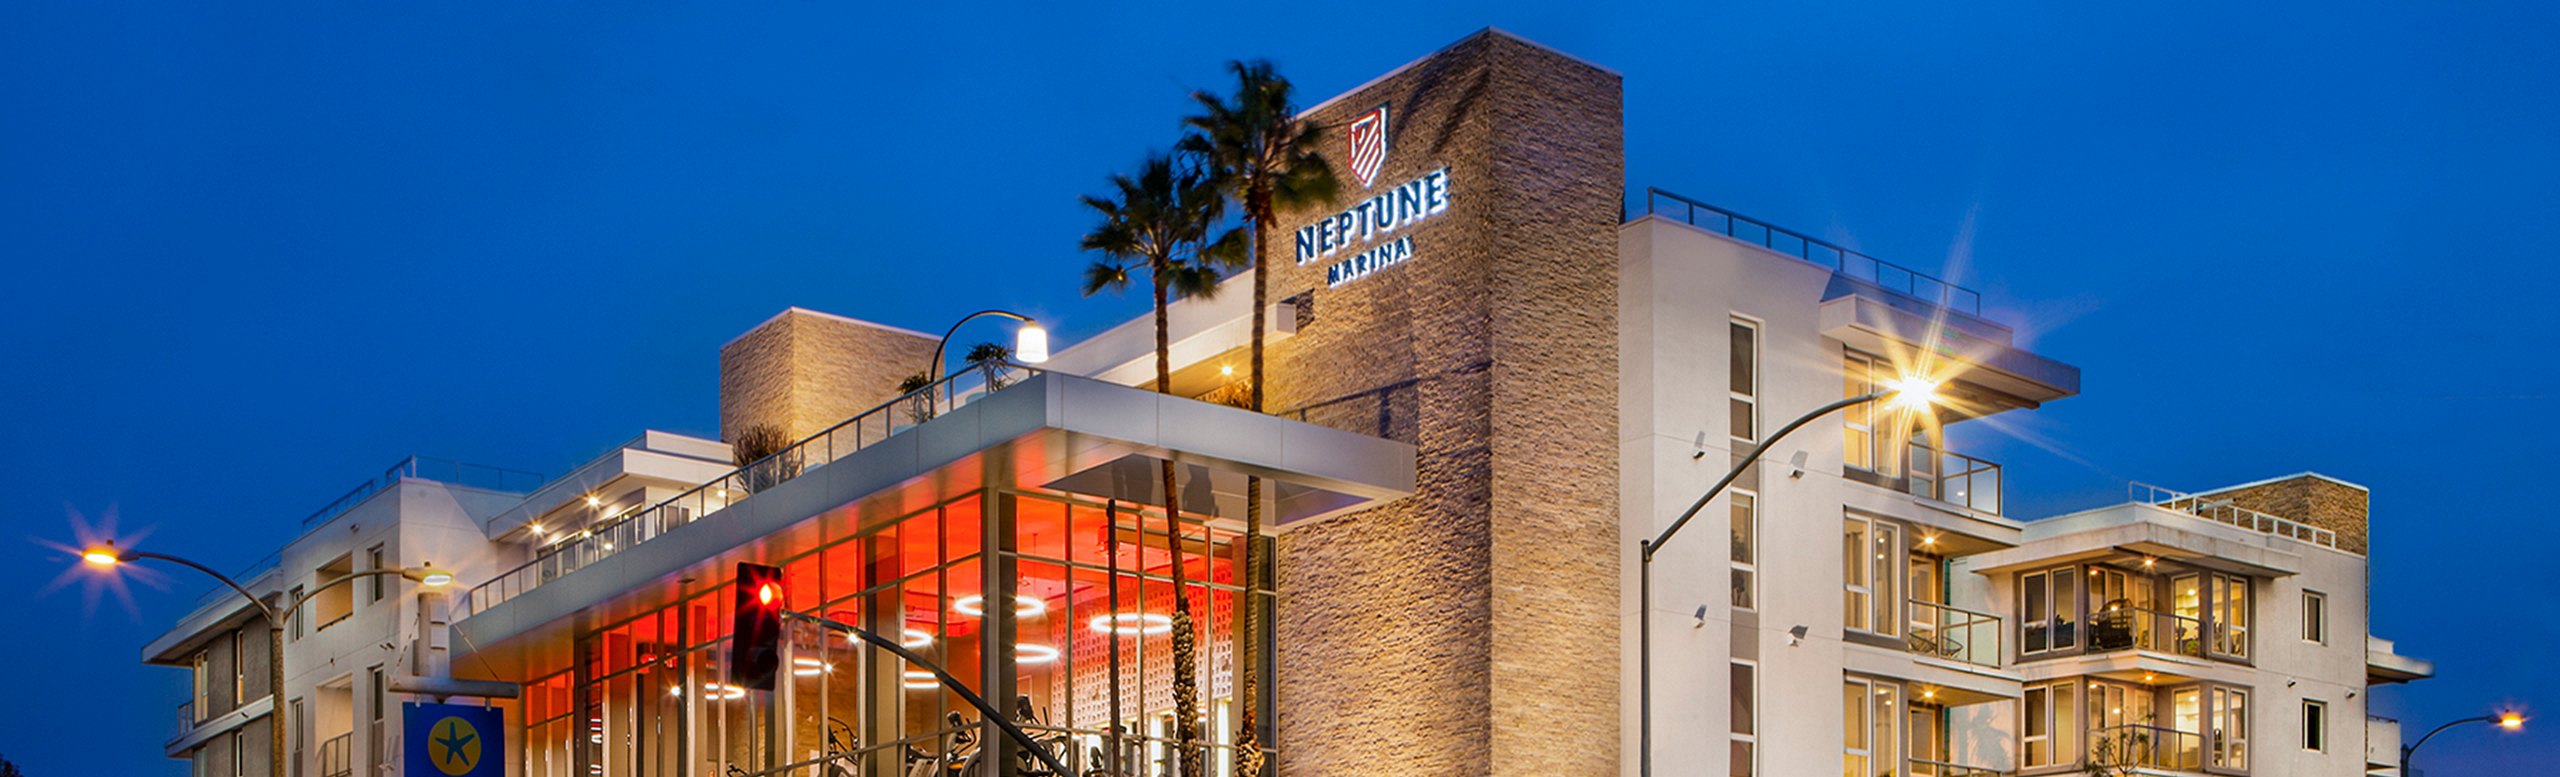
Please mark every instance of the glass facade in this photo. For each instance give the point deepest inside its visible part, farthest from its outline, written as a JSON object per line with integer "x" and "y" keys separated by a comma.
{"x": 1073, "y": 600}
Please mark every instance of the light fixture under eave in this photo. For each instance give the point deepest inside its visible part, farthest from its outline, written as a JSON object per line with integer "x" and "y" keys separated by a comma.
{"x": 1127, "y": 623}
{"x": 1031, "y": 343}
{"x": 911, "y": 638}
{"x": 809, "y": 667}
{"x": 918, "y": 680}
{"x": 975, "y": 606}
{"x": 1033, "y": 653}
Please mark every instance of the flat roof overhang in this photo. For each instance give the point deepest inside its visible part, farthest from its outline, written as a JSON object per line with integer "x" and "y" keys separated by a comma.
{"x": 2129, "y": 533}
{"x": 1050, "y": 431}
{"x": 1996, "y": 375}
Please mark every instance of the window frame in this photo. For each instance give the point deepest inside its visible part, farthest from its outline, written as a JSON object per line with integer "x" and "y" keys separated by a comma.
{"x": 2315, "y": 725}
{"x": 1744, "y": 674}
{"x": 1885, "y": 613}
{"x": 1858, "y": 427}
{"x": 2059, "y": 622}
{"x": 1881, "y": 710}
{"x": 1743, "y": 507}
{"x": 2315, "y": 617}
{"x": 1746, "y": 395}
{"x": 374, "y": 560}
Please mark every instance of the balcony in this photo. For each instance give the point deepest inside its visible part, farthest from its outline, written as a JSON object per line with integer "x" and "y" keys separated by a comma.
{"x": 1954, "y": 634}
{"x": 865, "y": 430}
{"x": 1922, "y": 767}
{"x": 2142, "y": 628}
{"x": 2222, "y": 511}
{"x": 334, "y": 756}
{"x": 1900, "y": 280}
{"x": 186, "y": 718}
{"x": 1942, "y": 476}
{"x": 2146, "y": 747}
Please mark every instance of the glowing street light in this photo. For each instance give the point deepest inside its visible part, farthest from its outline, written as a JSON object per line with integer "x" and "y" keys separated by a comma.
{"x": 106, "y": 557}
{"x": 2509, "y": 719}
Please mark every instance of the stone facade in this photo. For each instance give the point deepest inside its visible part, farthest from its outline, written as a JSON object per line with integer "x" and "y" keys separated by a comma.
{"x": 2313, "y": 499}
{"x": 1462, "y": 631}
{"x": 803, "y": 371}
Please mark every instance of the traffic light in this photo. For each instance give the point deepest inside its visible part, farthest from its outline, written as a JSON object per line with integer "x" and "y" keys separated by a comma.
{"x": 755, "y": 639}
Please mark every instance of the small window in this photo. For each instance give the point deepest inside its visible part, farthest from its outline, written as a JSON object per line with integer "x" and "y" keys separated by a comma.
{"x": 1746, "y": 554}
{"x": 2315, "y": 726}
{"x": 1746, "y": 729}
{"x": 373, "y": 562}
{"x": 1743, "y": 374}
{"x": 2315, "y": 617}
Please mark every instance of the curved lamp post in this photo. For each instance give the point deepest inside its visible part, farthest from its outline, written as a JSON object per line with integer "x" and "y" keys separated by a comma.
{"x": 107, "y": 556}
{"x": 1906, "y": 393}
{"x": 2510, "y": 720}
{"x": 1030, "y": 343}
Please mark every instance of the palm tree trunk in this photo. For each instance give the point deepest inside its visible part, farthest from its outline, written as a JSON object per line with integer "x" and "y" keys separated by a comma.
{"x": 1186, "y": 659}
{"x": 1248, "y": 661}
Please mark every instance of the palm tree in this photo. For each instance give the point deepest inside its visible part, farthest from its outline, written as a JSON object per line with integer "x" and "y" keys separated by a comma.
{"x": 1158, "y": 222}
{"x": 1265, "y": 159}
{"x": 993, "y": 363}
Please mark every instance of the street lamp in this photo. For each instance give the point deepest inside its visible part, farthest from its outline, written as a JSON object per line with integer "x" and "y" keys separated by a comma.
{"x": 1909, "y": 393}
{"x": 1030, "y": 343}
{"x": 108, "y": 556}
{"x": 2510, "y": 720}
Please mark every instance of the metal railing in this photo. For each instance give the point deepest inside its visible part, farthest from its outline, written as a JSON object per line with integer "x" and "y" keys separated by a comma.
{"x": 440, "y": 470}
{"x": 1953, "y": 633}
{"x": 2120, "y": 627}
{"x": 1886, "y": 275}
{"x": 620, "y": 532}
{"x": 334, "y": 756}
{"x": 2151, "y": 747}
{"x": 1952, "y": 477}
{"x": 1922, "y": 767}
{"x": 2224, "y": 512}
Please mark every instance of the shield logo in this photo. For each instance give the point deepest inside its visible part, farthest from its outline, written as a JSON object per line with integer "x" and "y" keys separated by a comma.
{"x": 1367, "y": 141}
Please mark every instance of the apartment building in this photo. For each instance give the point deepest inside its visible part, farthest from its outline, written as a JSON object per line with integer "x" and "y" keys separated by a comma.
{"x": 1492, "y": 374}
{"x": 346, "y": 645}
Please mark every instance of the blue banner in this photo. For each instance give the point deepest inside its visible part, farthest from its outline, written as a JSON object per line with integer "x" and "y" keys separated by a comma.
{"x": 453, "y": 740}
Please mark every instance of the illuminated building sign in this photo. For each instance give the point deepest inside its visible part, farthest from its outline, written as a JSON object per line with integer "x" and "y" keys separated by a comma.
{"x": 1372, "y": 219}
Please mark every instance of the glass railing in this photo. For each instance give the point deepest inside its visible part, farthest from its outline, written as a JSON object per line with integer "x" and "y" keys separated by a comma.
{"x": 2123, "y": 627}
{"x": 1887, "y": 275}
{"x": 1953, "y": 477}
{"x": 460, "y": 473}
{"x": 2146, "y": 747}
{"x": 1954, "y": 634}
{"x": 334, "y": 758}
{"x": 1922, "y": 767}
{"x": 186, "y": 717}
{"x": 619, "y": 533}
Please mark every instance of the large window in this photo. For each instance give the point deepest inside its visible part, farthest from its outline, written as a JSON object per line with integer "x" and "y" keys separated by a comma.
{"x": 1871, "y": 565}
{"x": 204, "y": 685}
{"x": 1871, "y": 728}
{"x": 1746, "y": 720}
{"x": 2049, "y": 729}
{"x": 1062, "y": 612}
{"x": 2048, "y": 611}
{"x": 377, "y": 697}
{"x": 1746, "y": 570}
{"x": 1742, "y": 372}
{"x": 1870, "y": 439}
{"x": 2229, "y": 607}
{"x": 2228, "y": 738}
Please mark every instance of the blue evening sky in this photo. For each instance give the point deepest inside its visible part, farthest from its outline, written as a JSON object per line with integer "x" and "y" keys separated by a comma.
{"x": 255, "y": 252}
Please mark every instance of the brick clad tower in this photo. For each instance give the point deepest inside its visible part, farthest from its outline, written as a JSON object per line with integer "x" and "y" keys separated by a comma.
{"x": 1473, "y": 628}
{"x": 803, "y": 371}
